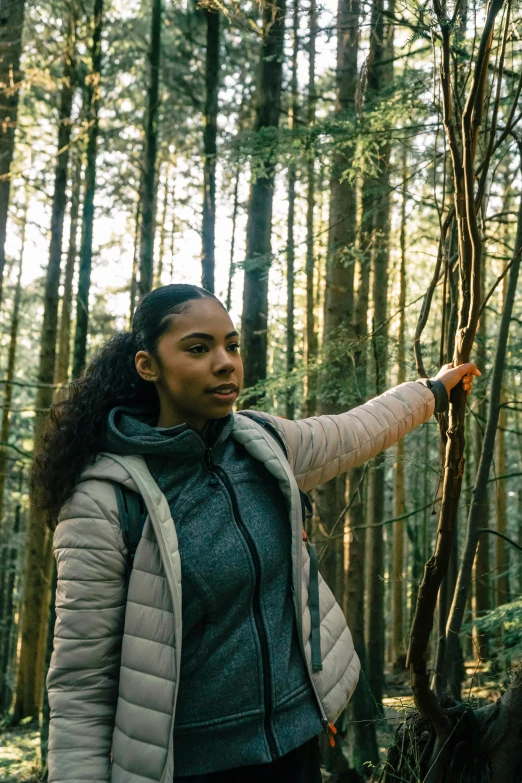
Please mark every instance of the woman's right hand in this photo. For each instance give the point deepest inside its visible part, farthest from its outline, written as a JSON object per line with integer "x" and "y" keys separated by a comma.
{"x": 450, "y": 376}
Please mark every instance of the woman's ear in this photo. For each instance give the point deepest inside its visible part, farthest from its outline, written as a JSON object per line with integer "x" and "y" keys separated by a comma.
{"x": 146, "y": 366}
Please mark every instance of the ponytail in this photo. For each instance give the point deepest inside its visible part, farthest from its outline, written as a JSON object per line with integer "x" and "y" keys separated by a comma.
{"x": 76, "y": 426}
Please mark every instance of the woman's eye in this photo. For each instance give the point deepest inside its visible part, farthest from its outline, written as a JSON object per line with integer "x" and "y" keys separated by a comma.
{"x": 198, "y": 349}
{"x": 234, "y": 347}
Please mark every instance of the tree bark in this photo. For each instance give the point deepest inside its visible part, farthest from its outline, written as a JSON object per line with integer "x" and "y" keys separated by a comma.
{"x": 38, "y": 552}
{"x": 399, "y": 495}
{"x": 259, "y": 222}
{"x": 64, "y": 338}
{"x": 466, "y": 202}
{"x": 135, "y": 260}
{"x": 478, "y": 510}
{"x": 163, "y": 229}
{"x": 6, "y": 533}
{"x": 501, "y": 729}
{"x": 8, "y": 388}
{"x": 92, "y": 104}
{"x": 501, "y": 551}
{"x": 232, "y": 265}
{"x": 210, "y": 116}
{"x": 8, "y": 637}
{"x": 311, "y": 334}
{"x": 379, "y": 79}
{"x": 290, "y": 243}
{"x": 148, "y": 211}
{"x": 11, "y": 28}
{"x": 361, "y": 713}
{"x": 482, "y": 602}
{"x": 339, "y": 289}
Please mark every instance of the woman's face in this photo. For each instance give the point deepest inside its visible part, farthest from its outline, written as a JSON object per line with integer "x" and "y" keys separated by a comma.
{"x": 197, "y": 370}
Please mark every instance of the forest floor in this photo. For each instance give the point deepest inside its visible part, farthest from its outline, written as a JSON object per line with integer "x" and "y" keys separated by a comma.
{"x": 20, "y": 746}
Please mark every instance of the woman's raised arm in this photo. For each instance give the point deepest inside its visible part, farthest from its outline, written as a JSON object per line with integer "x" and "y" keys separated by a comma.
{"x": 322, "y": 447}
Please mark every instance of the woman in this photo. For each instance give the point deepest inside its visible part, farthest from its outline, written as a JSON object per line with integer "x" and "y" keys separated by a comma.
{"x": 234, "y": 681}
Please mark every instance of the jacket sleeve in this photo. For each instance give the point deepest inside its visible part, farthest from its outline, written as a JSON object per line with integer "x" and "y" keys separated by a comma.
{"x": 90, "y": 608}
{"x": 322, "y": 447}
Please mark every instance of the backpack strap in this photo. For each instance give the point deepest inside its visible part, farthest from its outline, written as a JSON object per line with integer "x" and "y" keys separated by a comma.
{"x": 313, "y": 581}
{"x": 314, "y": 607}
{"x": 132, "y": 514}
{"x": 267, "y": 426}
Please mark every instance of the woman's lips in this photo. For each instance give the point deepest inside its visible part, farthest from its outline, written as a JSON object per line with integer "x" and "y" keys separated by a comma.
{"x": 224, "y": 396}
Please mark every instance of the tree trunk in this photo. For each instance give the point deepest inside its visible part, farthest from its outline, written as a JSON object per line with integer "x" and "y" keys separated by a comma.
{"x": 6, "y": 533}
{"x": 148, "y": 213}
{"x": 210, "y": 149}
{"x": 482, "y": 602}
{"x": 339, "y": 289}
{"x": 8, "y": 389}
{"x": 11, "y": 27}
{"x": 92, "y": 104}
{"x": 8, "y": 637}
{"x": 311, "y": 334}
{"x": 38, "y": 552}
{"x": 232, "y": 266}
{"x": 259, "y": 222}
{"x": 135, "y": 260}
{"x": 64, "y": 338}
{"x": 501, "y": 552}
{"x": 399, "y": 495}
{"x": 163, "y": 229}
{"x": 478, "y": 510}
{"x": 361, "y": 713}
{"x": 379, "y": 79}
{"x": 290, "y": 243}
{"x": 466, "y": 201}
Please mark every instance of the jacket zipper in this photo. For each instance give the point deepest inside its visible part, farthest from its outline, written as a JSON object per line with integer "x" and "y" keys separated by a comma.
{"x": 256, "y": 605}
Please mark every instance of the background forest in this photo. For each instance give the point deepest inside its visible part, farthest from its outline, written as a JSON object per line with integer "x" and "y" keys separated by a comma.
{"x": 347, "y": 178}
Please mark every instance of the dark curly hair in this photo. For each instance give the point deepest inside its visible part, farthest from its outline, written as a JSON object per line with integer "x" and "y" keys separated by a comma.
{"x": 75, "y": 427}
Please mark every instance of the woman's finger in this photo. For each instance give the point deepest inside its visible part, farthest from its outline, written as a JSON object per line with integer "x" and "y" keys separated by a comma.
{"x": 469, "y": 368}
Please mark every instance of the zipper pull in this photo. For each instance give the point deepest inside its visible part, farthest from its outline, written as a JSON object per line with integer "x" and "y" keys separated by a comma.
{"x": 331, "y": 731}
{"x": 209, "y": 459}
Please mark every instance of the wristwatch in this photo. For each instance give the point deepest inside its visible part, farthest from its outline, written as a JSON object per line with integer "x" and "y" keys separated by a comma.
{"x": 439, "y": 392}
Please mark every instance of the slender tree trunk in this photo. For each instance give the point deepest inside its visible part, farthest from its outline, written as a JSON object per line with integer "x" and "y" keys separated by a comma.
{"x": 361, "y": 732}
{"x": 8, "y": 389}
{"x": 38, "y": 551}
{"x": 6, "y": 533}
{"x": 232, "y": 266}
{"x": 379, "y": 79}
{"x": 163, "y": 229}
{"x": 290, "y": 243}
{"x": 400, "y": 501}
{"x": 481, "y": 567}
{"x": 501, "y": 551}
{"x": 11, "y": 27}
{"x": 467, "y": 197}
{"x": 135, "y": 260}
{"x": 311, "y": 334}
{"x": 339, "y": 291}
{"x": 172, "y": 248}
{"x": 478, "y": 511}
{"x": 210, "y": 148}
{"x": 64, "y": 338}
{"x": 259, "y": 222}
{"x": 9, "y": 635}
{"x": 148, "y": 213}
{"x": 92, "y": 103}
